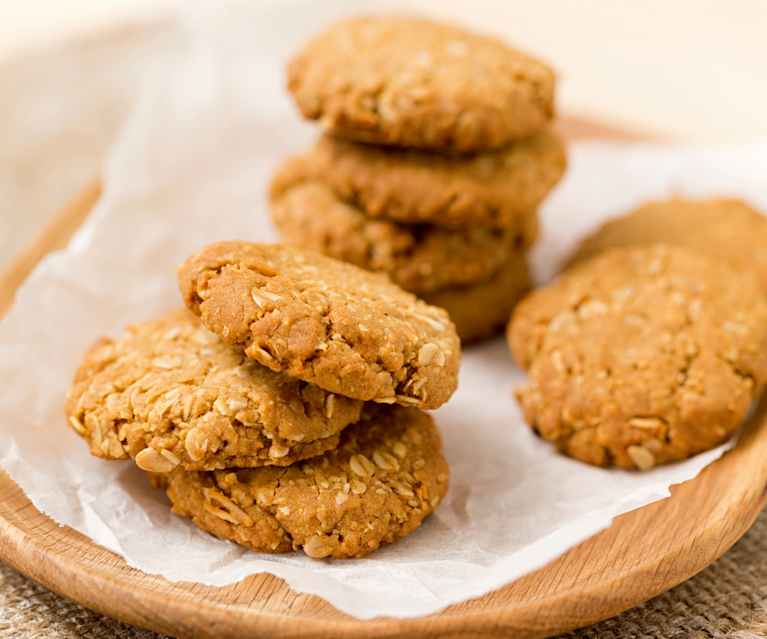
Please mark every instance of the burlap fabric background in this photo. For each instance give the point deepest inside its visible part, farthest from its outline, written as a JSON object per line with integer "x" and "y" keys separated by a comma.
{"x": 49, "y": 161}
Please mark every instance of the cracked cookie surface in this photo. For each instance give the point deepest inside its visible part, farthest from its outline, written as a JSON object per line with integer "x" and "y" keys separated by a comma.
{"x": 641, "y": 356}
{"x": 417, "y": 83}
{"x": 170, "y": 393}
{"x": 327, "y": 322}
{"x": 385, "y": 477}
{"x": 482, "y": 310}
{"x": 419, "y": 258}
{"x": 727, "y": 228}
{"x": 501, "y": 189}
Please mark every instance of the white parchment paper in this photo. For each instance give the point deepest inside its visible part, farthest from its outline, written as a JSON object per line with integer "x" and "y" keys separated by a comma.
{"x": 191, "y": 167}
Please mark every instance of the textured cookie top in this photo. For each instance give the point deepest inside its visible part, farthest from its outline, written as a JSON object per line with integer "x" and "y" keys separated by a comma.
{"x": 170, "y": 393}
{"x": 344, "y": 329}
{"x": 498, "y": 188}
{"x": 641, "y": 355}
{"x": 417, "y": 83}
{"x": 386, "y": 476}
{"x": 727, "y": 228}
{"x": 420, "y": 258}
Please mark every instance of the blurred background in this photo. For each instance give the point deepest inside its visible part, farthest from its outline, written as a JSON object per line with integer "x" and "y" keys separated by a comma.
{"x": 686, "y": 70}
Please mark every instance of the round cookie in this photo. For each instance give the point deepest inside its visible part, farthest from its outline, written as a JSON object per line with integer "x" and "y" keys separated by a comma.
{"x": 482, "y": 310}
{"x": 727, "y": 228}
{"x": 329, "y": 323}
{"x": 419, "y": 258}
{"x": 641, "y": 356}
{"x": 387, "y": 475}
{"x": 417, "y": 83}
{"x": 499, "y": 188}
{"x": 170, "y": 393}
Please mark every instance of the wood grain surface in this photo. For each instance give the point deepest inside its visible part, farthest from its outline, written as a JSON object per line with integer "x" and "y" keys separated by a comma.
{"x": 642, "y": 554}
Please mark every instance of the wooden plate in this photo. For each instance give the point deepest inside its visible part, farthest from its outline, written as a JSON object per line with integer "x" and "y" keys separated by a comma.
{"x": 642, "y": 554}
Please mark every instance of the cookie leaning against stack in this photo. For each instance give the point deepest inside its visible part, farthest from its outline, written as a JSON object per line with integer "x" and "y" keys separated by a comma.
{"x": 437, "y": 153}
{"x": 282, "y": 410}
{"x": 641, "y": 355}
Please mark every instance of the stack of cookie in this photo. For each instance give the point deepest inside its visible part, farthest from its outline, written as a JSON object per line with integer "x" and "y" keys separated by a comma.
{"x": 436, "y": 154}
{"x": 282, "y": 410}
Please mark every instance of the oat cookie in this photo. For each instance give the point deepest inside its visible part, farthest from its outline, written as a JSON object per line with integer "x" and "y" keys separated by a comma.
{"x": 641, "y": 355}
{"x": 727, "y": 228}
{"x": 420, "y": 258}
{"x": 329, "y": 323}
{"x": 170, "y": 393}
{"x": 500, "y": 188}
{"x": 387, "y": 475}
{"x": 417, "y": 83}
{"x": 482, "y": 310}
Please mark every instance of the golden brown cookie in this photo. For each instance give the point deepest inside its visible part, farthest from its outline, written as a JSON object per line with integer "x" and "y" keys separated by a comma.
{"x": 482, "y": 310}
{"x": 329, "y": 323}
{"x": 385, "y": 478}
{"x": 170, "y": 393}
{"x": 420, "y": 258}
{"x": 417, "y": 83}
{"x": 499, "y": 188}
{"x": 641, "y": 356}
{"x": 727, "y": 228}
